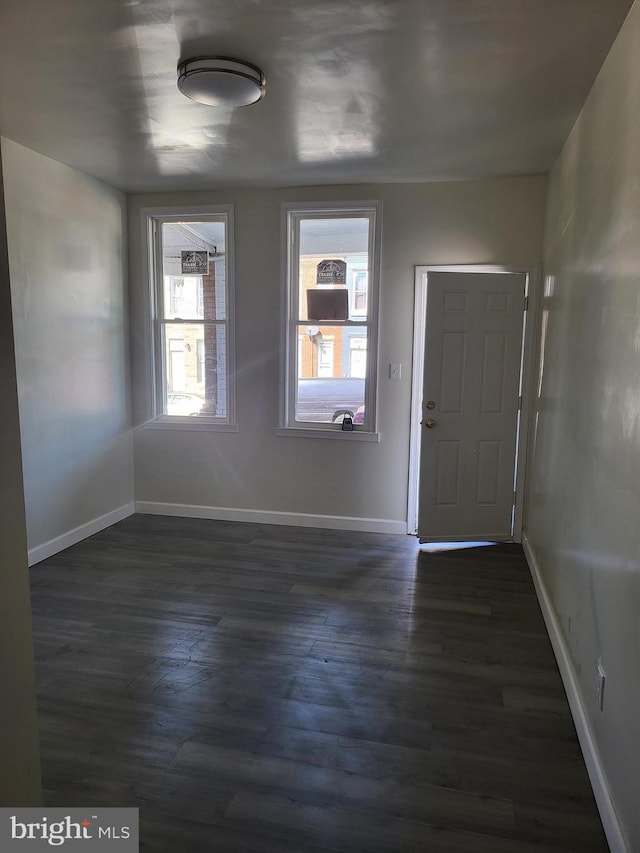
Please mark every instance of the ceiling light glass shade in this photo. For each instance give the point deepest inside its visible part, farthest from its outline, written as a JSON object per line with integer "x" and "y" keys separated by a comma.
{"x": 220, "y": 82}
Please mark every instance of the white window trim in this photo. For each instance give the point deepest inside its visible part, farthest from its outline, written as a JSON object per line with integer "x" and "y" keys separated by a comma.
{"x": 289, "y": 333}
{"x": 150, "y": 217}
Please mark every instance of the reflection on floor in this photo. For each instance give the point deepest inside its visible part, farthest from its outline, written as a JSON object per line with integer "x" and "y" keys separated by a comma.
{"x": 435, "y": 547}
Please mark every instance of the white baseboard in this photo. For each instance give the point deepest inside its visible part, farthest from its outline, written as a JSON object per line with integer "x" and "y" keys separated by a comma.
{"x": 599, "y": 783}
{"x": 295, "y": 519}
{"x": 71, "y": 537}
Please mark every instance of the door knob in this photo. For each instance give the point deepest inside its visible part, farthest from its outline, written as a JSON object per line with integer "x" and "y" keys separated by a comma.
{"x": 429, "y": 423}
{"x": 430, "y": 404}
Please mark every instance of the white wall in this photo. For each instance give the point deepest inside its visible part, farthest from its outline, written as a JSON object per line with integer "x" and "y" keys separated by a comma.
{"x": 67, "y": 238}
{"x": 583, "y": 511}
{"x": 19, "y": 758}
{"x": 493, "y": 221}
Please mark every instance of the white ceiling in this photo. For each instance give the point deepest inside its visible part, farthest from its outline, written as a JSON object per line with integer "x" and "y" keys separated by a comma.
{"x": 357, "y": 90}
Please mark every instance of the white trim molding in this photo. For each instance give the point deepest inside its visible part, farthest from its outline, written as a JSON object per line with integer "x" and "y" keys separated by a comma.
{"x": 256, "y": 516}
{"x": 72, "y": 537}
{"x": 597, "y": 777}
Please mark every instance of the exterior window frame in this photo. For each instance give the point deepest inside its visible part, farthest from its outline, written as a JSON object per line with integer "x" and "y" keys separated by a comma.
{"x": 357, "y": 291}
{"x": 153, "y": 220}
{"x": 292, "y": 215}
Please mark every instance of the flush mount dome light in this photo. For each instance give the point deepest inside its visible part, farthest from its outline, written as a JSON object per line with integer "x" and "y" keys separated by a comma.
{"x": 219, "y": 81}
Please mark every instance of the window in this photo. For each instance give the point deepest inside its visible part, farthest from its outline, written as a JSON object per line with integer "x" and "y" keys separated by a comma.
{"x": 331, "y": 319}
{"x": 192, "y": 331}
{"x": 359, "y": 295}
{"x": 176, "y": 287}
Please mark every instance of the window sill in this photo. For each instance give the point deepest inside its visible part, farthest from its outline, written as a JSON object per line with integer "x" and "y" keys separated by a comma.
{"x": 190, "y": 424}
{"x": 344, "y": 435}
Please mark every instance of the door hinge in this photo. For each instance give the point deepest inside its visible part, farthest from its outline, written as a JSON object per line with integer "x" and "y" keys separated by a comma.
{"x": 519, "y": 404}
{"x": 526, "y": 303}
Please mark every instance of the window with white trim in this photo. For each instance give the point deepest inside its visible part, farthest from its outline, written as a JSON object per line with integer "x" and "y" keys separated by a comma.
{"x": 332, "y": 282}
{"x": 191, "y": 270}
{"x": 359, "y": 289}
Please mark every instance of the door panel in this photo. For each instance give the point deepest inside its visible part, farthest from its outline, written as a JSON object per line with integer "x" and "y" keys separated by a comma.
{"x": 472, "y": 362}
{"x": 452, "y": 372}
{"x": 448, "y": 473}
{"x": 494, "y": 368}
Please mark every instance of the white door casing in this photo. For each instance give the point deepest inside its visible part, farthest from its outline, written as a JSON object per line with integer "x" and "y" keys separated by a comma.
{"x": 468, "y": 356}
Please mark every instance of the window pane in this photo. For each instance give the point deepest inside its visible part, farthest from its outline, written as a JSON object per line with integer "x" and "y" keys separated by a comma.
{"x": 194, "y": 270}
{"x": 332, "y": 288}
{"x": 196, "y": 370}
{"x": 331, "y": 371}
{"x": 334, "y": 255}
{"x": 325, "y": 400}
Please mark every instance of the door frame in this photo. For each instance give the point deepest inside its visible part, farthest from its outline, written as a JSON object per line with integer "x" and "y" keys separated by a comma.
{"x": 532, "y": 292}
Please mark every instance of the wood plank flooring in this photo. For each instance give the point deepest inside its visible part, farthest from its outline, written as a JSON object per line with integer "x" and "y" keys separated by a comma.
{"x": 258, "y": 689}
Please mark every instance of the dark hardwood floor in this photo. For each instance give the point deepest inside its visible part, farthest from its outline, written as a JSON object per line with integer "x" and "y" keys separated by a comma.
{"x": 254, "y": 688}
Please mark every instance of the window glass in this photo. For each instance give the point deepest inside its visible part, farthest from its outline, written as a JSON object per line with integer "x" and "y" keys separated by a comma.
{"x": 195, "y": 366}
{"x": 331, "y": 364}
{"x": 191, "y": 316}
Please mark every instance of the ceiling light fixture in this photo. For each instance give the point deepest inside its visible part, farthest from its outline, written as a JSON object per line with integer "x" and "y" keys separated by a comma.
{"x": 220, "y": 81}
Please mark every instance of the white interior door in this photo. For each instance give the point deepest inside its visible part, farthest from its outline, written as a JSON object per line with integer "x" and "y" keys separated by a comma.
{"x": 471, "y": 386}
